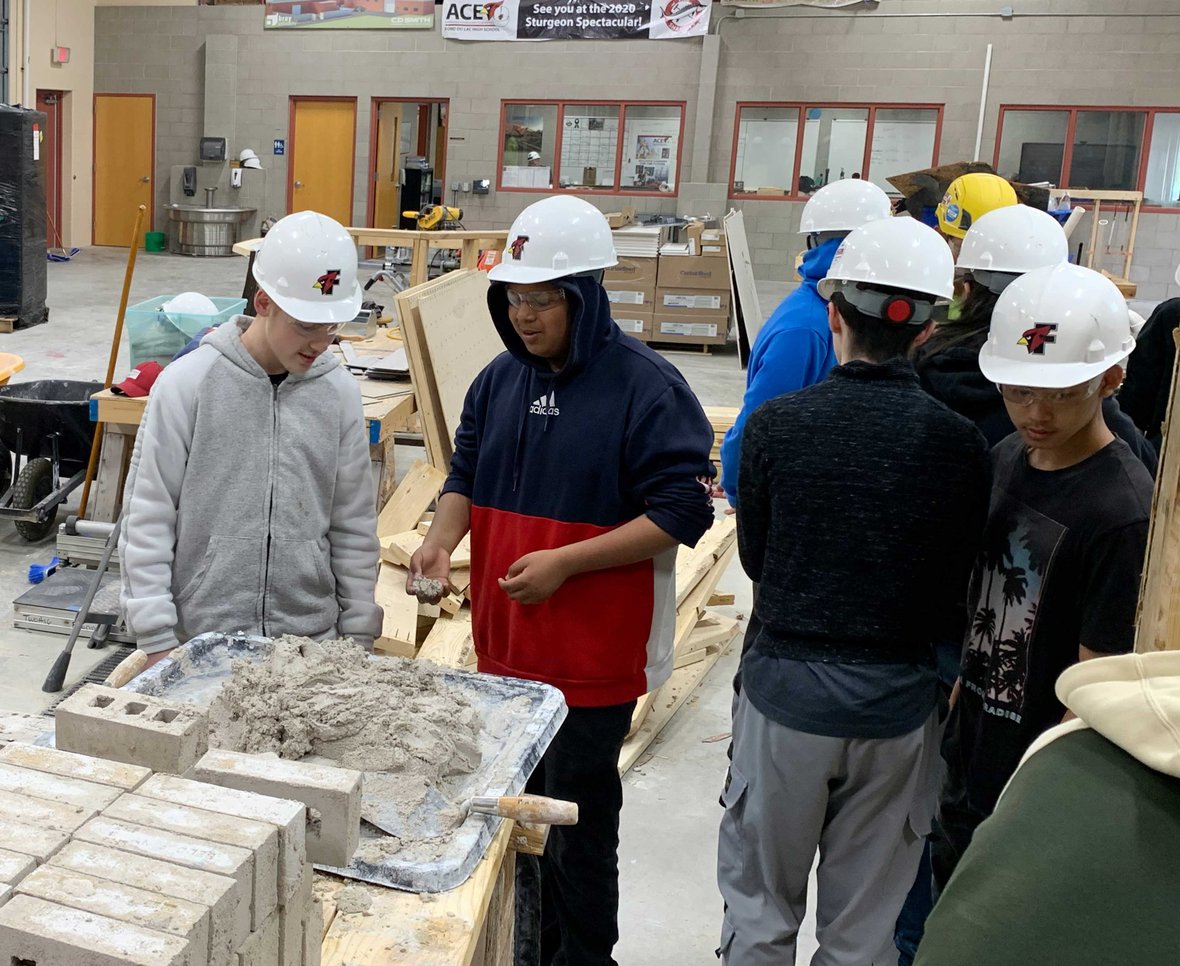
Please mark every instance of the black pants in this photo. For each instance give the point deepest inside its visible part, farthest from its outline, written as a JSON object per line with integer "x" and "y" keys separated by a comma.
{"x": 576, "y": 882}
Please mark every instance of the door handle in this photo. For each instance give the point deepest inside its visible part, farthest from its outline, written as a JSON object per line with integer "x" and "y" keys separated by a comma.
{"x": 146, "y": 179}
{"x": 298, "y": 184}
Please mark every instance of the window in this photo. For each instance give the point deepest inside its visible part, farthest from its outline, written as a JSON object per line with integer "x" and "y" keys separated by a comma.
{"x": 790, "y": 150}
{"x": 1101, "y": 149}
{"x": 591, "y": 146}
{"x": 1162, "y": 187}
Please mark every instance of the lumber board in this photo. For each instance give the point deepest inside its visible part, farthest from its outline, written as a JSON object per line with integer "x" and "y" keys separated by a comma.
{"x": 673, "y": 695}
{"x": 693, "y": 563}
{"x": 399, "y": 548}
{"x": 407, "y": 929}
{"x": 706, "y": 639}
{"x": 1159, "y": 592}
{"x": 400, "y": 623}
{"x": 418, "y": 489}
{"x": 721, "y": 599}
{"x": 438, "y": 449}
{"x": 460, "y": 340}
{"x": 450, "y": 642}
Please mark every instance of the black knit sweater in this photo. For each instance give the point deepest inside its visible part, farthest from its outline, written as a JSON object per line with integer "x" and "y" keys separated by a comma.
{"x": 862, "y": 502}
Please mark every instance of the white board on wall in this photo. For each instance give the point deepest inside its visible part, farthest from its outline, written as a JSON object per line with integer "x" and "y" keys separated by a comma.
{"x": 900, "y": 146}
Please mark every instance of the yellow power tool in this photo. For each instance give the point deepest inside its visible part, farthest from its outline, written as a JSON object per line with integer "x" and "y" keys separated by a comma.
{"x": 436, "y": 217}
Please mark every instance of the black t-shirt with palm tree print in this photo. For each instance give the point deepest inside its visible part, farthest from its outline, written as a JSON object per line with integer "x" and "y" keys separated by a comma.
{"x": 1060, "y": 565}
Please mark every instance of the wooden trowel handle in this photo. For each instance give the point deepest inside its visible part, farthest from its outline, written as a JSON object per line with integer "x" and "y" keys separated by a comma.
{"x": 529, "y": 808}
{"x": 127, "y": 668}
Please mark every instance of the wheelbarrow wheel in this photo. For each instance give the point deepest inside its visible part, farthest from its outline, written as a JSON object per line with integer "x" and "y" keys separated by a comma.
{"x": 33, "y": 485}
{"x": 5, "y": 470}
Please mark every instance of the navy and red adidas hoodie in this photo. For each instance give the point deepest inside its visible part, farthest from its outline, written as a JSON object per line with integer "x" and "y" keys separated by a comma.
{"x": 552, "y": 458}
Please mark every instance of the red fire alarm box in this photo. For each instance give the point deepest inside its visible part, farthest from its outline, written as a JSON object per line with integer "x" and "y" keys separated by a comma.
{"x": 61, "y": 55}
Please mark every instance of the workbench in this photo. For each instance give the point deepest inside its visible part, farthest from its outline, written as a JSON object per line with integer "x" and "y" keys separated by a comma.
{"x": 388, "y": 408}
{"x": 467, "y": 926}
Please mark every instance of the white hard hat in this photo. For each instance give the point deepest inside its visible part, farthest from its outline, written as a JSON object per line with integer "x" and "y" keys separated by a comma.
{"x": 897, "y": 253}
{"x": 190, "y": 303}
{"x": 844, "y": 205}
{"x": 1012, "y": 241}
{"x": 1057, "y": 327}
{"x": 248, "y": 159}
{"x": 555, "y": 237}
{"x": 534, "y": 155}
{"x": 307, "y": 264}
{"x": 247, "y": 154}
{"x": 1137, "y": 323}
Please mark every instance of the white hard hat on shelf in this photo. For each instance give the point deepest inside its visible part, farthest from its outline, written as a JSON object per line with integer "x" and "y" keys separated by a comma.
{"x": 844, "y": 205}
{"x": 248, "y": 159}
{"x": 1057, "y": 327}
{"x": 307, "y": 264}
{"x": 1008, "y": 242}
{"x": 893, "y": 253}
{"x": 534, "y": 155}
{"x": 553, "y": 238}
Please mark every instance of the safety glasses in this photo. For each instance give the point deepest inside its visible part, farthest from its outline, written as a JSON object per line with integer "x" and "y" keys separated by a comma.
{"x": 538, "y": 301}
{"x": 317, "y": 330}
{"x": 1024, "y": 396}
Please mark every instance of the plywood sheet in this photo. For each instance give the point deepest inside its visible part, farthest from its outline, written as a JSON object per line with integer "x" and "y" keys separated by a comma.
{"x": 746, "y": 308}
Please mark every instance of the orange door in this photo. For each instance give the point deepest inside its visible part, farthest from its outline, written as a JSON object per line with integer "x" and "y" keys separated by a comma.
{"x": 124, "y": 162}
{"x": 323, "y": 144}
{"x": 386, "y": 175}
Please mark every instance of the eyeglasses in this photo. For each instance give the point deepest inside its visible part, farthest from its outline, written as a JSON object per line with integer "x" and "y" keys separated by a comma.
{"x": 1024, "y": 396}
{"x": 539, "y": 301}
{"x": 313, "y": 330}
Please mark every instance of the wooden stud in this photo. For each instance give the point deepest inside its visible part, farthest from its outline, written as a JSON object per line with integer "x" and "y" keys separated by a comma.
{"x": 417, "y": 490}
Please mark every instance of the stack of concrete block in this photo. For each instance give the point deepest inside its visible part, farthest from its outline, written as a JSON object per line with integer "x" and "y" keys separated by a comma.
{"x": 107, "y": 864}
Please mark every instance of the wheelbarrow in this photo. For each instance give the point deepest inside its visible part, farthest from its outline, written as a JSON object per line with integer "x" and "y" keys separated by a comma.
{"x": 46, "y": 435}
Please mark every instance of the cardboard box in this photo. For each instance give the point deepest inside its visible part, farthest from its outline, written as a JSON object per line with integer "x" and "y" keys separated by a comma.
{"x": 635, "y": 324}
{"x": 632, "y": 273}
{"x": 706, "y": 271}
{"x": 631, "y": 299}
{"x": 771, "y": 191}
{"x": 693, "y": 301}
{"x": 705, "y": 241}
{"x": 674, "y": 327}
{"x": 617, "y": 219}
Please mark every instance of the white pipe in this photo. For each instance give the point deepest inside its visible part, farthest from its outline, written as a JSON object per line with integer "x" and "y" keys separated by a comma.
{"x": 987, "y": 73}
{"x": 26, "y": 58}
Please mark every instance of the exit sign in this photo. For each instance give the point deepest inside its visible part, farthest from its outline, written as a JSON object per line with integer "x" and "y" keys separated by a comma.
{"x": 61, "y": 55}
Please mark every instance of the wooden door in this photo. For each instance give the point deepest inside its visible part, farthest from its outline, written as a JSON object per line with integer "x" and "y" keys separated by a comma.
{"x": 50, "y": 103}
{"x": 386, "y": 173}
{"x": 124, "y": 164}
{"x": 323, "y": 143}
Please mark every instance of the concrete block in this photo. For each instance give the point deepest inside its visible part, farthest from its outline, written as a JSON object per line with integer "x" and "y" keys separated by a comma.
{"x": 42, "y": 813}
{"x": 228, "y": 902}
{"x": 332, "y": 796}
{"x": 260, "y": 839}
{"x": 287, "y": 816}
{"x": 262, "y": 948}
{"x": 293, "y": 923}
{"x": 54, "y": 761}
{"x": 132, "y": 728}
{"x": 39, "y": 932}
{"x": 88, "y": 893}
{"x": 54, "y": 788}
{"x": 14, "y": 866}
{"x": 32, "y": 840}
{"x": 313, "y": 934}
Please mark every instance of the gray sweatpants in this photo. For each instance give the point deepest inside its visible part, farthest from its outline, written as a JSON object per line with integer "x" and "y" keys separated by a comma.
{"x": 865, "y": 804}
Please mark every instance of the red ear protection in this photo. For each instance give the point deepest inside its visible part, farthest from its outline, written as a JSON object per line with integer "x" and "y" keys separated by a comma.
{"x": 898, "y": 310}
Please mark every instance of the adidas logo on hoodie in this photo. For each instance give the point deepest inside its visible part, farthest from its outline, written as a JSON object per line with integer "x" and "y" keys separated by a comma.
{"x": 545, "y": 406}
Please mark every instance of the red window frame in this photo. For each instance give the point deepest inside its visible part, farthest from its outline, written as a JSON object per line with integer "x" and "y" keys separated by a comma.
{"x": 1071, "y": 127}
{"x": 561, "y": 105}
{"x": 872, "y": 107}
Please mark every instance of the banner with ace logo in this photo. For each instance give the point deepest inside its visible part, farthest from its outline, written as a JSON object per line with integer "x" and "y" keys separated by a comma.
{"x": 576, "y": 19}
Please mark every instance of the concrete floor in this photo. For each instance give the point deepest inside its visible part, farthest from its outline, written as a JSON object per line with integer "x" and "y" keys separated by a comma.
{"x": 670, "y": 909}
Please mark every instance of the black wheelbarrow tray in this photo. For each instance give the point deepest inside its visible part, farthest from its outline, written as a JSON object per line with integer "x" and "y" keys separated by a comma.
{"x": 46, "y": 424}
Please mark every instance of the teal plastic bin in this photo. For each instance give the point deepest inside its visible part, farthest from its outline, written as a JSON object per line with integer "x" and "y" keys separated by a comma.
{"x": 156, "y": 335}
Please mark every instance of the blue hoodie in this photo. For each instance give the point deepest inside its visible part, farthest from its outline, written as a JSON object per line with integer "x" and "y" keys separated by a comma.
{"x": 793, "y": 351}
{"x": 553, "y": 458}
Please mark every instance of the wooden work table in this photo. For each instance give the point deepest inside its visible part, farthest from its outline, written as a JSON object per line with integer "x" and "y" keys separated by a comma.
{"x": 467, "y": 926}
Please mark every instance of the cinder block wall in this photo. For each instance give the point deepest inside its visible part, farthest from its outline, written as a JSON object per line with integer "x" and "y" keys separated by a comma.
{"x": 929, "y": 51}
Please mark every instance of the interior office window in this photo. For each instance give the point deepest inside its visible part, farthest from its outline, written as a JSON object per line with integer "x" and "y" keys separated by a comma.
{"x": 589, "y": 145}
{"x": 765, "y": 154}
{"x": 651, "y": 147}
{"x": 1032, "y": 145}
{"x": 1107, "y": 146}
{"x": 833, "y": 146}
{"x": 1163, "y": 162}
{"x": 527, "y": 155}
{"x": 903, "y": 140}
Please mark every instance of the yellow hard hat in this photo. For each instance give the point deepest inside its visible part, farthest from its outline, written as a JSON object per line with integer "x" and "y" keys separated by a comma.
{"x": 969, "y": 198}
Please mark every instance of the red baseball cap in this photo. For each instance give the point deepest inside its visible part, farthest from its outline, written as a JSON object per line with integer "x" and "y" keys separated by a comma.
{"x": 140, "y": 382}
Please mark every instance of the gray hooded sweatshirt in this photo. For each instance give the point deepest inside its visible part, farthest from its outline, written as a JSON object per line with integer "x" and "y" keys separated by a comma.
{"x": 249, "y": 506}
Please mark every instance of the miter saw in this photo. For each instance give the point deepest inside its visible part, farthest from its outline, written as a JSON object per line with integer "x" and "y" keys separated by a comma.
{"x": 436, "y": 218}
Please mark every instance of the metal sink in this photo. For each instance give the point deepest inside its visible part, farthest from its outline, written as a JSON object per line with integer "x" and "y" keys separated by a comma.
{"x": 205, "y": 231}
